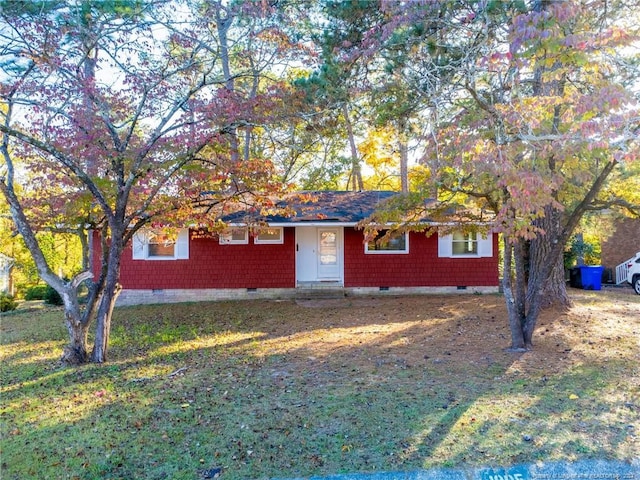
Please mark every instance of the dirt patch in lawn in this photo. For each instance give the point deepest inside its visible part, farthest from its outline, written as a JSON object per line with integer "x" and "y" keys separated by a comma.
{"x": 422, "y": 330}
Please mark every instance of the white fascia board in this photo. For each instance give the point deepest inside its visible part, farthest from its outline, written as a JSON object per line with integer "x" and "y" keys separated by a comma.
{"x": 312, "y": 224}
{"x": 457, "y": 224}
{"x": 324, "y": 224}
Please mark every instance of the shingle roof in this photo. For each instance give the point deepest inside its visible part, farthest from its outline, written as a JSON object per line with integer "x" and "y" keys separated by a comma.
{"x": 317, "y": 206}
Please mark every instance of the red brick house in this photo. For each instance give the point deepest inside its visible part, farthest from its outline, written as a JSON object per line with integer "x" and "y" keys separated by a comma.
{"x": 318, "y": 248}
{"x": 621, "y": 243}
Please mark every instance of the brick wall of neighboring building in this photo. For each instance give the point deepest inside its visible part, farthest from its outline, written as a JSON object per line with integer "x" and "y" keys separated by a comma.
{"x": 622, "y": 244}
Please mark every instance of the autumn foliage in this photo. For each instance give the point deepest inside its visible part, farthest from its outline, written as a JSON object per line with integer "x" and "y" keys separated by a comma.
{"x": 519, "y": 116}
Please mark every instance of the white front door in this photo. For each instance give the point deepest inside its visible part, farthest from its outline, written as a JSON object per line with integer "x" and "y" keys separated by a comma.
{"x": 318, "y": 254}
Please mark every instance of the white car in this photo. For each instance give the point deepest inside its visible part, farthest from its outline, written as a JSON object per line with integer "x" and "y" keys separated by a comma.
{"x": 633, "y": 276}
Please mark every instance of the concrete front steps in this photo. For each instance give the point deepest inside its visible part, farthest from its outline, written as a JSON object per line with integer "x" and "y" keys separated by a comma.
{"x": 319, "y": 290}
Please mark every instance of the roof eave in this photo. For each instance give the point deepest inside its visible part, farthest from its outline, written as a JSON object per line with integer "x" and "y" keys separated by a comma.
{"x": 323, "y": 223}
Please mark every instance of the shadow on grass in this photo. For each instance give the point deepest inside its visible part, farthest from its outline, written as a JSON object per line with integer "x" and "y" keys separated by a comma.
{"x": 262, "y": 395}
{"x": 256, "y": 427}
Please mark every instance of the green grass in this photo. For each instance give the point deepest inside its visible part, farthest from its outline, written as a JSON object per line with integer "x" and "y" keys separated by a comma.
{"x": 274, "y": 389}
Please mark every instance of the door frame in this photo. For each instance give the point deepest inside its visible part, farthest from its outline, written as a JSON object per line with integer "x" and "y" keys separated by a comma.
{"x": 307, "y": 248}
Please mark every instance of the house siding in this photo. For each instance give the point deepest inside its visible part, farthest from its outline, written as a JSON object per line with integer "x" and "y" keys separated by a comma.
{"x": 211, "y": 265}
{"x": 420, "y": 267}
{"x": 217, "y": 272}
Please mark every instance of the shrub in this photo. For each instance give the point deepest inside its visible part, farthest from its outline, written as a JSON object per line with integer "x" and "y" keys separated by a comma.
{"x": 7, "y": 302}
{"x": 52, "y": 297}
{"x": 36, "y": 293}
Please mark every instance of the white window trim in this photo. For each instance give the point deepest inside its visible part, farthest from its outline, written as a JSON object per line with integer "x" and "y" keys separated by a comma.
{"x": 485, "y": 247}
{"x": 140, "y": 246}
{"x": 389, "y": 252}
{"x": 225, "y": 237}
{"x": 280, "y": 240}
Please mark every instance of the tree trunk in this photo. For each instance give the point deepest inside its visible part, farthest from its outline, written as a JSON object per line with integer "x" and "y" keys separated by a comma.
{"x": 554, "y": 290}
{"x": 531, "y": 319}
{"x": 75, "y": 353}
{"x": 108, "y": 299}
{"x": 511, "y": 299}
{"x": 404, "y": 165}
{"x": 523, "y": 304}
{"x": 546, "y": 266}
{"x": 356, "y": 172}
{"x": 520, "y": 254}
{"x": 224, "y": 19}
{"x": 85, "y": 241}
{"x": 527, "y": 289}
{"x": 103, "y": 323}
{"x": 403, "y": 147}
{"x": 513, "y": 283}
{"x": 77, "y": 321}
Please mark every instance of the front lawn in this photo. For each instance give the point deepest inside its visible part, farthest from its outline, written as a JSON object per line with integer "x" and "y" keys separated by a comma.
{"x": 268, "y": 389}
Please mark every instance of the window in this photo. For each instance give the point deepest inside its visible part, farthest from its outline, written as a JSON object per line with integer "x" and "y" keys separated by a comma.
{"x": 464, "y": 243}
{"x": 394, "y": 243}
{"x": 328, "y": 247}
{"x": 234, "y": 236}
{"x": 161, "y": 245}
{"x": 150, "y": 245}
{"x": 269, "y": 235}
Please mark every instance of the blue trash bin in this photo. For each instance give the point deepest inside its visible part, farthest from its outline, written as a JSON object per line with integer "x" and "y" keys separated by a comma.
{"x": 591, "y": 277}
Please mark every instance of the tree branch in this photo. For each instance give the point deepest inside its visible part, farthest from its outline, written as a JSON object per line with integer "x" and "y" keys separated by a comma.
{"x": 63, "y": 159}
